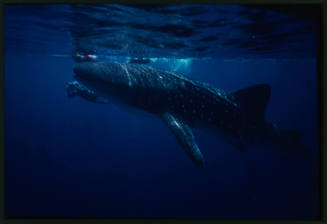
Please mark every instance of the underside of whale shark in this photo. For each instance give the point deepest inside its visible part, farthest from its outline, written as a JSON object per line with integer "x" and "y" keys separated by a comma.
{"x": 183, "y": 103}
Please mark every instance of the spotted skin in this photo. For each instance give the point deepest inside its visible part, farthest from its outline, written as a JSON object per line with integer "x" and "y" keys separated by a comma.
{"x": 181, "y": 102}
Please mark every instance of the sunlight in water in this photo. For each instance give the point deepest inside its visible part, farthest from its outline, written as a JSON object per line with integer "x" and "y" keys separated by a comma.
{"x": 173, "y": 64}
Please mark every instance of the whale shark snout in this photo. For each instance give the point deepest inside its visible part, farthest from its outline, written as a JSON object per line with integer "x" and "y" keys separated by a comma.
{"x": 83, "y": 69}
{"x": 90, "y": 76}
{"x": 110, "y": 72}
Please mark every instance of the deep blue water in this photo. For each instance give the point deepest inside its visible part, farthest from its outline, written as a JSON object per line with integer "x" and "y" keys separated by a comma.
{"x": 73, "y": 158}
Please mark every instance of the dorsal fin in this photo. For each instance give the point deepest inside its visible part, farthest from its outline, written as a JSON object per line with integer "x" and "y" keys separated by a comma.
{"x": 253, "y": 101}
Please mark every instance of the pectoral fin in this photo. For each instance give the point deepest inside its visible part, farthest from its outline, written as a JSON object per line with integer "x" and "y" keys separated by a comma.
{"x": 184, "y": 135}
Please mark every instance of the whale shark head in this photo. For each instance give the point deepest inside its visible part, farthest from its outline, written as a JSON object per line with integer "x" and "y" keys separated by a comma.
{"x": 100, "y": 71}
{"x": 102, "y": 77}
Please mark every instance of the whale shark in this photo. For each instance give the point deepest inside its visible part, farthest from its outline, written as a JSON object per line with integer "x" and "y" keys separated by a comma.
{"x": 183, "y": 103}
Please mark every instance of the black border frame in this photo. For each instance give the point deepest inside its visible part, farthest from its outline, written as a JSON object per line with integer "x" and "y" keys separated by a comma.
{"x": 322, "y": 107}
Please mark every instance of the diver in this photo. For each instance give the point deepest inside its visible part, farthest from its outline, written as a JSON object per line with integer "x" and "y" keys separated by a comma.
{"x": 84, "y": 56}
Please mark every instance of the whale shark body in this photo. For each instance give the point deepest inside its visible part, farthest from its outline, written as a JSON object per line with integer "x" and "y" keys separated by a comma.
{"x": 183, "y": 103}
